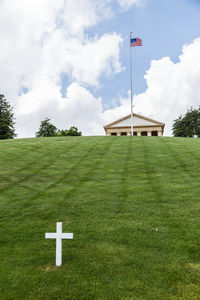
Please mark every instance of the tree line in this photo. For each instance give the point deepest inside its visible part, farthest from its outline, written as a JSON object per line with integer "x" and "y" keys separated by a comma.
{"x": 187, "y": 125}
{"x": 46, "y": 129}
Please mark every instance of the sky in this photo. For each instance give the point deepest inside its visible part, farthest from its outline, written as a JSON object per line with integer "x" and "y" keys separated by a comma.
{"x": 69, "y": 60}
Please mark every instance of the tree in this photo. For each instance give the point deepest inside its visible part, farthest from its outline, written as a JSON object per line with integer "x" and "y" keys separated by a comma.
{"x": 7, "y": 130}
{"x": 47, "y": 129}
{"x": 73, "y": 131}
{"x": 62, "y": 132}
{"x": 187, "y": 125}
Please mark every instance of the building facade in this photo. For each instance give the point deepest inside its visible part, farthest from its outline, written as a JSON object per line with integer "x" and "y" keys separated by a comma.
{"x": 142, "y": 126}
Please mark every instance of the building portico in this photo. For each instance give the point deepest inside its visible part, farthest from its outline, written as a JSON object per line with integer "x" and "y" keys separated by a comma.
{"x": 142, "y": 126}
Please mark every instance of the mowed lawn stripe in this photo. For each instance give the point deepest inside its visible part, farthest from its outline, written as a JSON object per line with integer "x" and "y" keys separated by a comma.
{"x": 190, "y": 147}
{"x": 45, "y": 176}
{"x": 43, "y": 161}
{"x": 70, "y": 178}
{"x": 20, "y": 149}
{"x": 187, "y": 163}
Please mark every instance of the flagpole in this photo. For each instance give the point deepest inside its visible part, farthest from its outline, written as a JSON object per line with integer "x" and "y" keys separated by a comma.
{"x": 131, "y": 87}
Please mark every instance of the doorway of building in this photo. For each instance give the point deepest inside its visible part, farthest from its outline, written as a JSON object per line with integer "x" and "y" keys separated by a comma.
{"x": 144, "y": 133}
{"x": 154, "y": 133}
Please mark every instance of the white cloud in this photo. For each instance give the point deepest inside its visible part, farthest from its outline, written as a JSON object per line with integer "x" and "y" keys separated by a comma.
{"x": 94, "y": 58}
{"x": 47, "y": 37}
{"x": 172, "y": 88}
{"x": 126, "y": 4}
{"x": 23, "y": 26}
{"x": 81, "y": 14}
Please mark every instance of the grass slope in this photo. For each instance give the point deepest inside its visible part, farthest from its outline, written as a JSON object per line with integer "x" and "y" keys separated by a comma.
{"x": 133, "y": 205}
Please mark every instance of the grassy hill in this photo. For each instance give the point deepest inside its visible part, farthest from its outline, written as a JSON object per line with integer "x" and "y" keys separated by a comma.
{"x": 133, "y": 205}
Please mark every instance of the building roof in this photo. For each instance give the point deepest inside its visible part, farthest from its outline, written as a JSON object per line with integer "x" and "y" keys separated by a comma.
{"x": 138, "y": 121}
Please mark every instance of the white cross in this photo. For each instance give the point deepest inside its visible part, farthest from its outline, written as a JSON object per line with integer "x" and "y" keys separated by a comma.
{"x": 58, "y": 236}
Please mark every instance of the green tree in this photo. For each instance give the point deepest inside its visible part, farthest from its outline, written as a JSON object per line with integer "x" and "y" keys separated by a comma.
{"x": 187, "y": 125}
{"x": 62, "y": 132}
{"x": 73, "y": 131}
{"x": 7, "y": 130}
{"x": 47, "y": 129}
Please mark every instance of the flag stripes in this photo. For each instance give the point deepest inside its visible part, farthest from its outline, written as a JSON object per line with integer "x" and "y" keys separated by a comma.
{"x": 135, "y": 42}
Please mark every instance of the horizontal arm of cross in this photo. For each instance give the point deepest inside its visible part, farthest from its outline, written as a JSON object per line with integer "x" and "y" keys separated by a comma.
{"x": 67, "y": 236}
{"x": 49, "y": 235}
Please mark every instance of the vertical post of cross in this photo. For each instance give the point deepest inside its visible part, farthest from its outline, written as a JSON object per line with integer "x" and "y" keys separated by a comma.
{"x": 59, "y": 244}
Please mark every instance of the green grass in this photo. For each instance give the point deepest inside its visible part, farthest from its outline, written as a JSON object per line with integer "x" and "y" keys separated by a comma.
{"x": 133, "y": 205}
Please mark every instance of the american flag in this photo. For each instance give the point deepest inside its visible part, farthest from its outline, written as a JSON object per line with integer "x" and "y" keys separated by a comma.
{"x": 135, "y": 42}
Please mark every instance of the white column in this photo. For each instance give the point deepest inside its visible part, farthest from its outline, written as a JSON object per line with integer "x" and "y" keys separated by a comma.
{"x": 159, "y": 133}
{"x": 149, "y": 133}
{"x": 139, "y": 133}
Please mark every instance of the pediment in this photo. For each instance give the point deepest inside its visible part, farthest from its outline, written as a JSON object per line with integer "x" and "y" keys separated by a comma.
{"x": 138, "y": 120}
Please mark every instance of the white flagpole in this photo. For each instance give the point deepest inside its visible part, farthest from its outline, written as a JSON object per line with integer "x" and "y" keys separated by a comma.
{"x": 131, "y": 88}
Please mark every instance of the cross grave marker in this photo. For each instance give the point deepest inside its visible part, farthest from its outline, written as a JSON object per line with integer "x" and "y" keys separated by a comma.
{"x": 58, "y": 235}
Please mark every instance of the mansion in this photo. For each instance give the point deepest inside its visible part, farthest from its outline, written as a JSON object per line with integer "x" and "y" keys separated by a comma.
{"x": 142, "y": 126}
